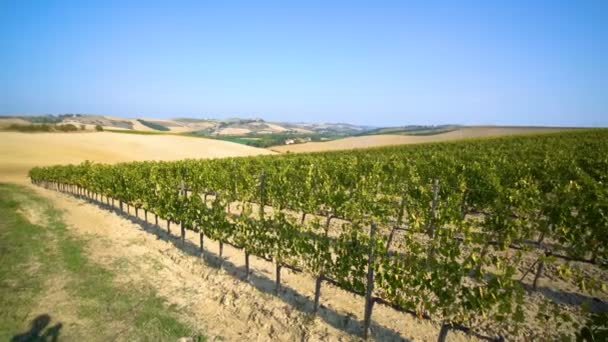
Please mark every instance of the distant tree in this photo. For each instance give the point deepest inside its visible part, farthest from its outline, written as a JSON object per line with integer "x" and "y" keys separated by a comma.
{"x": 29, "y": 128}
{"x": 83, "y": 127}
{"x": 66, "y": 128}
{"x": 98, "y": 128}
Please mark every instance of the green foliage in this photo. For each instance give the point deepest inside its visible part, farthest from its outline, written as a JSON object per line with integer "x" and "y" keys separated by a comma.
{"x": 43, "y": 119}
{"x": 153, "y": 125}
{"x": 21, "y": 246}
{"x": 98, "y": 128}
{"x": 596, "y": 329}
{"x": 66, "y": 128}
{"x": 133, "y": 131}
{"x": 30, "y": 128}
{"x": 42, "y": 128}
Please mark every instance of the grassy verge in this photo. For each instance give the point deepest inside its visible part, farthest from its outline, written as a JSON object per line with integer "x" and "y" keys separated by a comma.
{"x": 49, "y": 287}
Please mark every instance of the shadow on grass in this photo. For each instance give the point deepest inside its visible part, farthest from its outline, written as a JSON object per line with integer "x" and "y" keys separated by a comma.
{"x": 39, "y": 332}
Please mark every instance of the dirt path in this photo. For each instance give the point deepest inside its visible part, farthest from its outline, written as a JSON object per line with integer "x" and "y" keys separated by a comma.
{"x": 218, "y": 301}
{"x": 50, "y": 288}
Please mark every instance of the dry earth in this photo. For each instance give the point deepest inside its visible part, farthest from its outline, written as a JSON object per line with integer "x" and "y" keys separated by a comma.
{"x": 19, "y": 152}
{"x": 393, "y": 139}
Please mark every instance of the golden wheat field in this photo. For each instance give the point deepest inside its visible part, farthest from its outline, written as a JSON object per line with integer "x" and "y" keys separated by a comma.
{"x": 21, "y": 151}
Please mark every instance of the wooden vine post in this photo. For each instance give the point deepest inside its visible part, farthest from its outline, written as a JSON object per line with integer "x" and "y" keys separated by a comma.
{"x": 262, "y": 190}
{"x": 261, "y": 214}
{"x": 369, "y": 288}
{"x": 399, "y": 222}
{"x": 246, "y": 265}
{"x": 433, "y": 221}
{"x": 278, "y": 279}
{"x": 443, "y": 333}
{"x": 182, "y": 226}
{"x": 431, "y": 224}
{"x": 539, "y": 269}
{"x": 320, "y": 277}
{"x": 463, "y": 205}
{"x": 221, "y": 252}
{"x": 202, "y": 241}
{"x": 318, "y": 283}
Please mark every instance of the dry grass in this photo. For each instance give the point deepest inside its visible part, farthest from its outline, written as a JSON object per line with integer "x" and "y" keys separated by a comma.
{"x": 5, "y": 122}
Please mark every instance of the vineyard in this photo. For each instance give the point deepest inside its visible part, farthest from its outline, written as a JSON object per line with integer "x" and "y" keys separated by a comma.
{"x": 460, "y": 233}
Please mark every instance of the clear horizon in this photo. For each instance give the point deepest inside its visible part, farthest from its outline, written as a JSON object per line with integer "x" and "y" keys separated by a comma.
{"x": 377, "y": 64}
{"x": 298, "y": 122}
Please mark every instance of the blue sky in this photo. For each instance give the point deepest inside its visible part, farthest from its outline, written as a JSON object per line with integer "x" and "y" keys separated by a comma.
{"x": 377, "y": 63}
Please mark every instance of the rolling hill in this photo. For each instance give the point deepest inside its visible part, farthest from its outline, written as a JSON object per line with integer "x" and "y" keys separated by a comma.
{"x": 206, "y": 127}
{"x": 21, "y": 151}
{"x": 376, "y": 140}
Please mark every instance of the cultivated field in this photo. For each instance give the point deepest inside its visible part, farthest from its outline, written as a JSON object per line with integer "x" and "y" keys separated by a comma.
{"x": 204, "y": 297}
{"x": 471, "y": 247}
{"x": 140, "y": 257}
{"x": 389, "y": 139}
{"x": 19, "y": 152}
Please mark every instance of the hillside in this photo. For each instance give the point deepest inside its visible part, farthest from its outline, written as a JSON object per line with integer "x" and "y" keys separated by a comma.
{"x": 400, "y": 139}
{"x": 206, "y": 127}
{"x": 21, "y": 151}
{"x": 277, "y": 136}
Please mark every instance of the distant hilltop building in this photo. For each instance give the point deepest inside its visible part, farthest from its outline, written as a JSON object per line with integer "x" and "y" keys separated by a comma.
{"x": 297, "y": 140}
